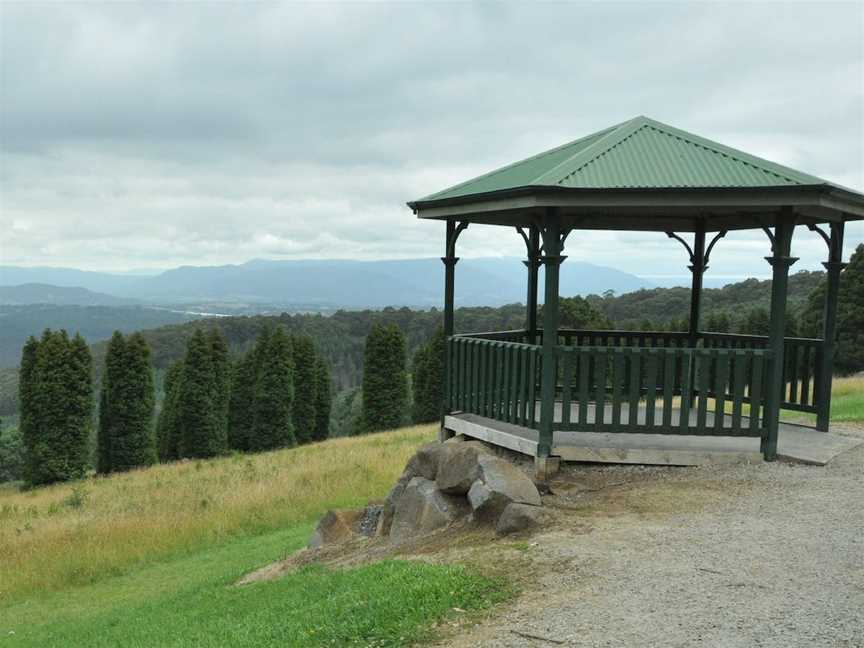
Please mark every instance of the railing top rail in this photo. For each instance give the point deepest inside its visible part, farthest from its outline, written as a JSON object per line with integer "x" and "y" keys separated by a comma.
{"x": 490, "y": 334}
{"x": 660, "y": 350}
{"x": 682, "y": 334}
{"x": 761, "y": 338}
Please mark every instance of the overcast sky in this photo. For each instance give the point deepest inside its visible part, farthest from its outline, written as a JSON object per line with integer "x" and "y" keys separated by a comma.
{"x": 158, "y": 134}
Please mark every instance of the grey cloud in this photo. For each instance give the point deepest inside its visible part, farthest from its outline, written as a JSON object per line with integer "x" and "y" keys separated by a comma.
{"x": 187, "y": 133}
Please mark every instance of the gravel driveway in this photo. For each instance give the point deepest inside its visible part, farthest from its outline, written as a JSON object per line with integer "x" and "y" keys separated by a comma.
{"x": 767, "y": 555}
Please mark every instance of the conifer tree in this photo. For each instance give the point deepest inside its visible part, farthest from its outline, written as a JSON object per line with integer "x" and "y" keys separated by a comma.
{"x": 385, "y": 380}
{"x": 198, "y": 419}
{"x": 26, "y": 396}
{"x": 244, "y": 375}
{"x": 168, "y": 426}
{"x": 221, "y": 384}
{"x": 323, "y": 399}
{"x": 112, "y": 378}
{"x": 58, "y": 394}
{"x": 305, "y": 384}
{"x": 273, "y": 425}
{"x": 428, "y": 376}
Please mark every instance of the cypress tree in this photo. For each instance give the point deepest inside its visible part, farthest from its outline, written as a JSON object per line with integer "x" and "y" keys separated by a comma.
{"x": 221, "y": 385}
{"x": 26, "y": 392}
{"x": 167, "y": 427}
{"x": 112, "y": 380}
{"x": 428, "y": 374}
{"x": 385, "y": 380}
{"x": 323, "y": 399}
{"x": 273, "y": 425}
{"x": 198, "y": 420}
{"x": 850, "y": 315}
{"x": 305, "y": 384}
{"x": 243, "y": 379}
{"x": 58, "y": 393}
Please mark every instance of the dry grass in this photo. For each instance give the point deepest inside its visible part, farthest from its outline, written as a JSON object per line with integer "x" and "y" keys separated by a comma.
{"x": 80, "y": 533}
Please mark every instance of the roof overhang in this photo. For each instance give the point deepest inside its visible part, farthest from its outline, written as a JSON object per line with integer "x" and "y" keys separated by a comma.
{"x": 660, "y": 209}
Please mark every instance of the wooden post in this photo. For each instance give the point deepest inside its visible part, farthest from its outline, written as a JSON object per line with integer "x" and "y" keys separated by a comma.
{"x": 833, "y": 267}
{"x": 450, "y": 260}
{"x": 697, "y": 268}
{"x": 533, "y": 265}
{"x": 551, "y": 259}
{"x": 780, "y": 262}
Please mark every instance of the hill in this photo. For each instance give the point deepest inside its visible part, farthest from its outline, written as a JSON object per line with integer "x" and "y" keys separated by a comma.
{"x": 149, "y": 557}
{"x": 329, "y": 285}
{"x": 36, "y": 293}
{"x": 95, "y": 323}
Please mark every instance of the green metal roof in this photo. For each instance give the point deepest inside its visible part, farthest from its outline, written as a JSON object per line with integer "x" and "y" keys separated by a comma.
{"x": 637, "y": 154}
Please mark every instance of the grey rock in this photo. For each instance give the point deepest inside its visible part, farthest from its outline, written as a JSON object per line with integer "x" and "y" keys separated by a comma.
{"x": 385, "y": 520}
{"x": 422, "y": 508}
{"x": 335, "y": 526}
{"x": 501, "y": 476}
{"x": 367, "y": 525}
{"x": 427, "y": 459}
{"x": 518, "y": 517}
{"x": 460, "y": 468}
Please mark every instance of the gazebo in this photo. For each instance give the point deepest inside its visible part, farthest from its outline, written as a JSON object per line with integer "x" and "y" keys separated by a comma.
{"x": 557, "y": 393}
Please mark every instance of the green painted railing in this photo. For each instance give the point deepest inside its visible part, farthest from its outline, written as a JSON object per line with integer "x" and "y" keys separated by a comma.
{"x": 668, "y": 387}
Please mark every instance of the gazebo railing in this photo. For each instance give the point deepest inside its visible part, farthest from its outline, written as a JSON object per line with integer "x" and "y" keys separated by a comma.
{"x": 604, "y": 376}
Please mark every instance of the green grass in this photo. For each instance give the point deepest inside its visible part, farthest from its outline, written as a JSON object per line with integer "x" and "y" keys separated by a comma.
{"x": 149, "y": 558}
{"x": 847, "y": 403}
{"x": 192, "y": 601}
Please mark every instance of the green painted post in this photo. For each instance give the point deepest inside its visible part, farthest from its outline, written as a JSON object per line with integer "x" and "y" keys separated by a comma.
{"x": 697, "y": 269}
{"x": 551, "y": 259}
{"x": 450, "y": 260}
{"x": 533, "y": 265}
{"x": 780, "y": 262}
{"x": 833, "y": 267}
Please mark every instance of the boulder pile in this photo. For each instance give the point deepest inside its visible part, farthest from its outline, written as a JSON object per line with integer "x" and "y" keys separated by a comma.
{"x": 442, "y": 483}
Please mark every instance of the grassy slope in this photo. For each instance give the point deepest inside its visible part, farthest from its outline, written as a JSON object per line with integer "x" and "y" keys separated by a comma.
{"x": 145, "y": 558}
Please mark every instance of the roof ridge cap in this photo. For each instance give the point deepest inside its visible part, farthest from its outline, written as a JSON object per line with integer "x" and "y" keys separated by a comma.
{"x": 620, "y": 134}
{"x": 762, "y": 164}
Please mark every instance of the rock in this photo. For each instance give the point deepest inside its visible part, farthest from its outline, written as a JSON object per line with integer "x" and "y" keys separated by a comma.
{"x": 335, "y": 526}
{"x": 422, "y": 508}
{"x": 385, "y": 520}
{"x": 367, "y": 524}
{"x": 501, "y": 476}
{"x": 459, "y": 468}
{"x": 427, "y": 459}
{"x": 459, "y": 438}
{"x": 518, "y": 517}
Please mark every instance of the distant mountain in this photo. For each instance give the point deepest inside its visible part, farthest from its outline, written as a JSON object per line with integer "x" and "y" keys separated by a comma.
{"x": 333, "y": 284}
{"x": 38, "y": 293}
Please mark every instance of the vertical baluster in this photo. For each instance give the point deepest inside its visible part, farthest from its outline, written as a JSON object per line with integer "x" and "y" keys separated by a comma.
{"x": 566, "y": 386}
{"x": 650, "y": 387}
{"x": 584, "y": 397}
{"x": 600, "y": 361}
{"x": 722, "y": 361}
{"x": 687, "y": 360}
{"x": 739, "y": 364}
{"x": 532, "y": 388}
{"x": 669, "y": 376}
{"x": 635, "y": 388}
{"x": 524, "y": 368}
{"x": 756, "y": 380}
{"x": 502, "y": 383}
{"x": 792, "y": 353}
{"x": 806, "y": 363}
{"x": 703, "y": 371}
{"x": 617, "y": 378}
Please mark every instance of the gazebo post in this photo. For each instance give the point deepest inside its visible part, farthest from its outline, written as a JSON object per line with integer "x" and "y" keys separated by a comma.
{"x": 551, "y": 259}
{"x": 780, "y": 261}
{"x": 697, "y": 268}
{"x": 833, "y": 267}
{"x": 533, "y": 265}
{"x": 450, "y": 260}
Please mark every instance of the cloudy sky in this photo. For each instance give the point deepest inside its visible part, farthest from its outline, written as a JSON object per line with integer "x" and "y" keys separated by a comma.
{"x": 157, "y": 134}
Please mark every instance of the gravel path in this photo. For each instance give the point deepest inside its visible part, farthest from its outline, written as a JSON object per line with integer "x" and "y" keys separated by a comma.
{"x": 766, "y": 555}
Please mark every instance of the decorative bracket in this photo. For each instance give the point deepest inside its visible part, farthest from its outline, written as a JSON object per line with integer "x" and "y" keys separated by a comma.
{"x": 770, "y": 234}
{"x": 691, "y": 254}
{"x": 451, "y": 242}
{"x": 834, "y": 241}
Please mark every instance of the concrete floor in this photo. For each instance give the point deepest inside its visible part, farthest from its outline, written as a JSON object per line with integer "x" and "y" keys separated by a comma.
{"x": 795, "y": 443}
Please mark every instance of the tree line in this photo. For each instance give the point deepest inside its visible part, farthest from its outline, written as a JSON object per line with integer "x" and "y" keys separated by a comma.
{"x": 275, "y": 395}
